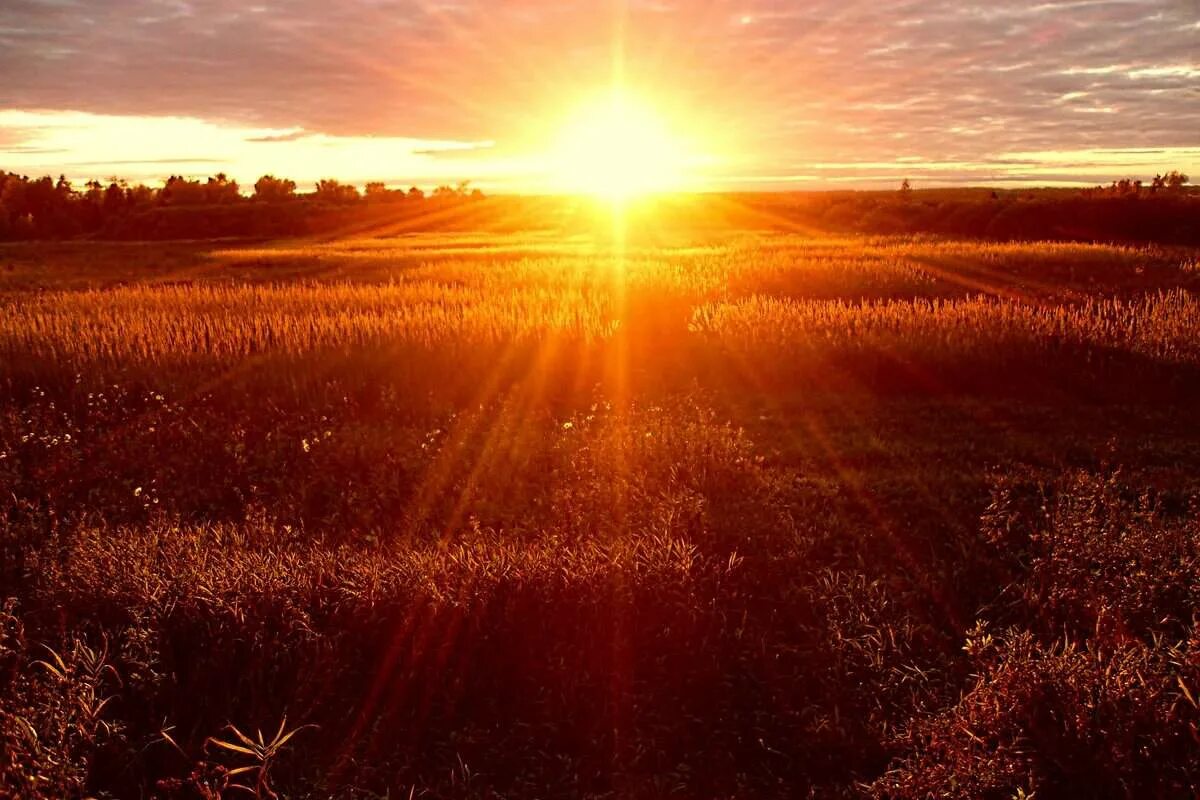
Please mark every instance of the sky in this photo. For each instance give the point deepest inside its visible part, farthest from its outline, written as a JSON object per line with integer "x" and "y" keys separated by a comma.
{"x": 765, "y": 94}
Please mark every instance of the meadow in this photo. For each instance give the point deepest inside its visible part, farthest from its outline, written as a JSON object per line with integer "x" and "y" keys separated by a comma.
{"x": 713, "y": 513}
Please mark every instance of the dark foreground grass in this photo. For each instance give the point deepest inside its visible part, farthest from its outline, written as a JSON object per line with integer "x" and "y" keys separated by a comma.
{"x": 754, "y": 540}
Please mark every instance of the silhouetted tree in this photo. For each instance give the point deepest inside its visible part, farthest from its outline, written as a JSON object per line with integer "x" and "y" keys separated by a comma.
{"x": 270, "y": 189}
{"x": 221, "y": 189}
{"x": 140, "y": 197}
{"x": 179, "y": 191}
{"x": 1175, "y": 180}
{"x": 45, "y": 208}
{"x": 114, "y": 199}
{"x": 332, "y": 191}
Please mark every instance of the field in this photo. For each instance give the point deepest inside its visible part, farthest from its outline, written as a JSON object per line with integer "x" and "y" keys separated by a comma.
{"x": 698, "y": 514}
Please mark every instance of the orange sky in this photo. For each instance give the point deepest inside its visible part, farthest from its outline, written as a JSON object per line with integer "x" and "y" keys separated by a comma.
{"x": 761, "y": 94}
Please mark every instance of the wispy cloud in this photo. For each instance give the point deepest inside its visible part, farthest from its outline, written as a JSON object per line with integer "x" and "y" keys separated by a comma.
{"x": 785, "y": 82}
{"x": 84, "y": 145}
{"x": 272, "y": 138}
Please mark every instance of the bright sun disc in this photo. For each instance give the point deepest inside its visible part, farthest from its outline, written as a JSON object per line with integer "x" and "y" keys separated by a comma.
{"x": 617, "y": 149}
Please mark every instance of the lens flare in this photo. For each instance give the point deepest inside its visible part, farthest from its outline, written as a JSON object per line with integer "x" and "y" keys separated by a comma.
{"x": 618, "y": 148}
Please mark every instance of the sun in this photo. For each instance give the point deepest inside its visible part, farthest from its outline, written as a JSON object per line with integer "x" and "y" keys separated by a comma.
{"x": 618, "y": 148}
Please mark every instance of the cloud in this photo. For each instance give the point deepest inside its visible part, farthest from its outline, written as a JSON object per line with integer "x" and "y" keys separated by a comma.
{"x": 24, "y": 150}
{"x": 147, "y": 148}
{"x": 455, "y": 150}
{"x": 290, "y": 136}
{"x": 140, "y": 162}
{"x": 776, "y": 81}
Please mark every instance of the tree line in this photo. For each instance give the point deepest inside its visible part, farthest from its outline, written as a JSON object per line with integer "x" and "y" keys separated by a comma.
{"x": 44, "y": 208}
{"x": 1164, "y": 210}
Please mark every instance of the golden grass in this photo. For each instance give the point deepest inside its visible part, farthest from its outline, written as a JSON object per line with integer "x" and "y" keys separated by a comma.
{"x": 522, "y": 516}
{"x": 1161, "y": 326}
{"x": 787, "y": 292}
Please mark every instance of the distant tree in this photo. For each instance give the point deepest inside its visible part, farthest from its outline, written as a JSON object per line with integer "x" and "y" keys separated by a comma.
{"x": 12, "y": 199}
{"x": 1175, "y": 180}
{"x": 332, "y": 191}
{"x": 179, "y": 191}
{"x": 94, "y": 192}
{"x": 114, "y": 199}
{"x": 221, "y": 189}
{"x": 1123, "y": 188}
{"x": 41, "y": 205}
{"x": 46, "y": 208}
{"x": 270, "y": 189}
{"x": 140, "y": 196}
